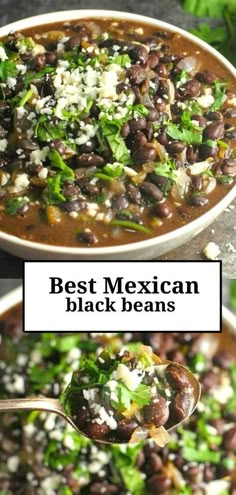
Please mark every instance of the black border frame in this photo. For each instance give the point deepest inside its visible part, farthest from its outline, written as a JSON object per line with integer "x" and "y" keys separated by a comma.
{"x": 219, "y": 262}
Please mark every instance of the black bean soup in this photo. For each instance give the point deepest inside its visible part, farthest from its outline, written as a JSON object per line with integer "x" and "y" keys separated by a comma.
{"x": 41, "y": 455}
{"x": 111, "y": 132}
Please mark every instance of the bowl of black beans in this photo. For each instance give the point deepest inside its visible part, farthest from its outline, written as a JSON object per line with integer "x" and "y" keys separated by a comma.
{"x": 117, "y": 137}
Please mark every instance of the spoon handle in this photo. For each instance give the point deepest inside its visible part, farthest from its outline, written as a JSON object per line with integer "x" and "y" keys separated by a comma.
{"x": 32, "y": 404}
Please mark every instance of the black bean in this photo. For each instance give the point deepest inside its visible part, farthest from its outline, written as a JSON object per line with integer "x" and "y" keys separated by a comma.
{"x": 159, "y": 180}
{"x": 223, "y": 359}
{"x": 177, "y": 377}
{"x": 191, "y": 154}
{"x": 195, "y": 200}
{"x": 218, "y": 424}
{"x": 208, "y": 380}
{"x": 160, "y": 105}
{"x": 162, "y": 71}
{"x": 144, "y": 154}
{"x": 103, "y": 487}
{"x": 208, "y": 473}
{"x": 157, "y": 412}
{"x": 149, "y": 130}
{"x": 151, "y": 190}
{"x": 88, "y": 188}
{"x": 136, "y": 140}
{"x": 122, "y": 87}
{"x": 229, "y": 440}
{"x": 163, "y": 210}
{"x": 94, "y": 111}
{"x": 180, "y": 407}
{"x": 89, "y": 160}
{"x": 74, "y": 205}
{"x": 229, "y": 166}
{"x": 151, "y": 42}
{"x": 125, "y": 429}
{"x": 137, "y": 124}
{"x": 153, "y": 115}
{"x": 139, "y": 54}
{"x": 200, "y": 119}
{"x": 140, "y": 459}
{"x": 81, "y": 417}
{"x": 213, "y": 115}
{"x": 191, "y": 88}
{"x": 205, "y": 77}
{"x": 125, "y": 130}
{"x": 215, "y": 130}
{"x": 177, "y": 356}
{"x": 89, "y": 146}
{"x": 137, "y": 94}
{"x": 206, "y": 151}
{"x": 51, "y": 58}
{"x": 89, "y": 238}
{"x": 153, "y": 60}
{"x": 155, "y": 463}
{"x": 155, "y": 84}
{"x": 120, "y": 203}
{"x": 136, "y": 74}
{"x": 163, "y": 89}
{"x": 73, "y": 42}
{"x": 175, "y": 147}
{"x": 39, "y": 61}
{"x": 162, "y": 138}
{"x": 159, "y": 483}
{"x": 134, "y": 194}
{"x": 196, "y": 182}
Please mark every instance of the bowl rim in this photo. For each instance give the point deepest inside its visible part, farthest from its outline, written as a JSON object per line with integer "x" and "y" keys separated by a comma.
{"x": 194, "y": 225}
{"x": 15, "y": 296}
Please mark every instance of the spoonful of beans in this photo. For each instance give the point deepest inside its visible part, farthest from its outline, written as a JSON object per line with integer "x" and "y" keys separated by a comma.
{"x": 122, "y": 398}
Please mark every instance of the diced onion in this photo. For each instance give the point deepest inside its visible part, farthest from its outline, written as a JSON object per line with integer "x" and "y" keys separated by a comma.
{"x": 187, "y": 63}
{"x": 159, "y": 435}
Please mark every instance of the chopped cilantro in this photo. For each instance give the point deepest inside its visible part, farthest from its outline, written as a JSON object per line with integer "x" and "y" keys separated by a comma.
{"x": 128, "y": 224}
{"x": 110, "y": 130}
{"x": 25, "y": 98}
{"x": 48, "y": 131}
{"x": 58, "y": 162}
{"x": 114, "y": 169}
{"x": 52, "y": 194}
{"x": 7, "y": 69}
{"x": 121, "y": 60}
{"x": 224, "y": 179}
{"x": 12, "y": 205}
{"x": 219, "y": 94}
{"x": 185, "y": 135}
{"x": 125, "y": 464}
{"x": 141, "y": 396}
{"x": 204, "y": 455}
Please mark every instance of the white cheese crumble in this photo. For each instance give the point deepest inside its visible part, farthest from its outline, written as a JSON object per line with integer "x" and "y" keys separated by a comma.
{"x": 39, "y": 156}
{"x": 130, "y": 378}
{"x": 3, "y": 55}
{"x": 205, "y": 101}
{"x": 13, "y": 463}
{"x": 211, "y": 251}
{"x": 3, "y": 145}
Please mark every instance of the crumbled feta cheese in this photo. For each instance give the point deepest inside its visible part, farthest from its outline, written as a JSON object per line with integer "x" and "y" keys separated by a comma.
{"x": 43, "y": 173}
{"x": 21, "y": 68}
{"x": 205, "y": 101}
{"x": 130, "y": 378}
{"x": 11, "y": 82}
{"x": 3, "y": 55}
{"x": 211, "y": 250}
{"x": 13, "y": 463}
{"x": 39, "y": 156}
{"x": 3, "y": 145}
{"x": 50, "y": 485}
{"x": 21, "y": 181}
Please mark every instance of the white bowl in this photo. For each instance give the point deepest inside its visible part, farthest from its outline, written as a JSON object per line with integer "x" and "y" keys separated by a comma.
{"x": 146, "y": 249}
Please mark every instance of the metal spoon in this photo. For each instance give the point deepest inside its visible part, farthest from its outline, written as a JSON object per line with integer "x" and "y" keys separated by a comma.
{"x": 55, "y": 406}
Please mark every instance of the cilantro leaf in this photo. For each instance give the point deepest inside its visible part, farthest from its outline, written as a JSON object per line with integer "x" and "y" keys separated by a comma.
{"x": 185, "y": 135}
{"x": 204, "y": 455}
{"x": 125, "y": 465}
{"x": 121, "y": 60}
{"x": 12, "y": 205}
{"x": 219, "y": 93}
{"x": 141, "y": 396}
{"x": 166, "y": 169}
{"x": 211, "y": 35}
{"x": 58, "y": 162}
{"x": 7, "y": 69}
{"x": 113, "y": 169}
{"x": 201, "y": 8}
{"x": 110, "y": 130}
{"x": 47, "y": 131}
{"x": 52, "y": 194}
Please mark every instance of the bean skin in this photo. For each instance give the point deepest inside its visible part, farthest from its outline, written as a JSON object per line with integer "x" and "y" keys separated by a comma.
{"x": 74, "y": 205}
{"x": 196, "y": 182}
{"x": 96, "y": 431}
{"x": 120, "y": 203}
{"x": 180, "y": 406}
{"x": 205, "y": 77}
{"x": 175, "y": 147}
{"x": 214, "y": 131}
{"x": 144, "y": 154}
{"x": 229, "y": 440}
{"x": 125, "y": 130}
{"x": 163, "y": 210}
{"x": 177, "y": 377}
{"x": 158, "y": 484}
{"x": 134, "y": 194}
{"x": 190, "y": 88}
{"x": 151, "y": 190}
{"x": 153, "y": 115}
{"x": 213, "y": 116}
{"x": 90, "y": 160}
{"x": 157, "y": 412}
{"x": 162, "y": 71}
{"x": 153, "y": 60}
{"x": 136, "y": 74}
{"x": 137, "y": 124}
{"x": 200, "y": 119}
{"x": 191, "y": 154}
{"x": 206, "y": 151}
{"x": 229, "y": 166}
{"x": 87, "y": 238}
{"x": 139, "y": 54}
{"x": 73, "y": 42}
{"x": 125, "y": 429}
{"x": 198, "y": 200}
